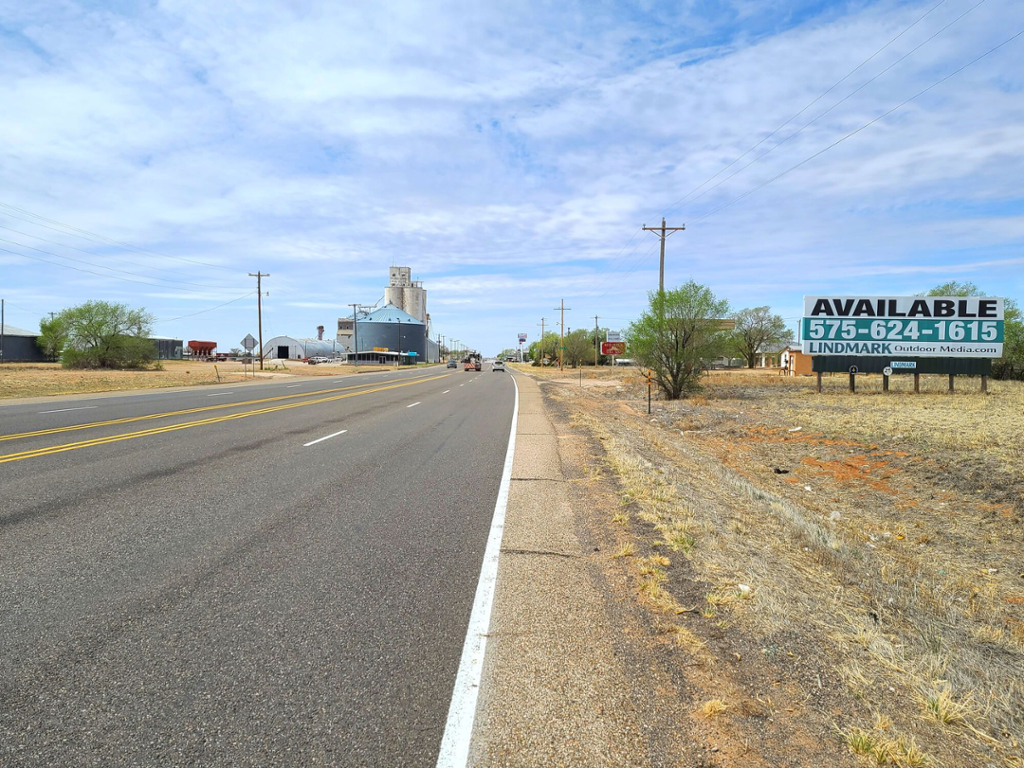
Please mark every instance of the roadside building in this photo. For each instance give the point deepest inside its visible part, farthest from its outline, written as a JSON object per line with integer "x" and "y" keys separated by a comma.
{"x": 794, "y": 362}
{"x": 19, "y": 345}
{"x": 292, "y": 348}
{"x": 168, "y": 348}
{"x": 390, "y": 329}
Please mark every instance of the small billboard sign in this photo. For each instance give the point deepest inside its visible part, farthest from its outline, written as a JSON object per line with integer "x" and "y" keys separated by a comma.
{"x": 380, "y": 349}
{"x": 614, "y": 336}
{"x": 522, "y": 338}
{"x": 613, "y": 347}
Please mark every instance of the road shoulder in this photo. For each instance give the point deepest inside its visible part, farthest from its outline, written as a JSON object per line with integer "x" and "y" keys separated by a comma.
{"x": 571, "y": 675}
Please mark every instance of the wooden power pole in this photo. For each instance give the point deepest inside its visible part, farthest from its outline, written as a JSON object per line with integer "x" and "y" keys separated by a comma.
{"x": 664, "y": 234}
{"x": 541, "y": 347}
{"x": 259, "y": 307}
{"x": 561, "y": 331}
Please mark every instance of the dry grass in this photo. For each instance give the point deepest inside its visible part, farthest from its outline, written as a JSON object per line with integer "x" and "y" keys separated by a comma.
{"x": 886, "y": 550}
{"x": 44, "y": 379}
{"x": 713, "y": 708}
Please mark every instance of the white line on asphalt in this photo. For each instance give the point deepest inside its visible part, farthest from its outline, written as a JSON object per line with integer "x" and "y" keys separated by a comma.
{"x": 446, "y": 392}
{"x": 218, "y": 394}
{"x": 462, "y": 385}
{"x": 293, "y": 385}
{"x": 62, "y": 410}
{"x": 458, "y": 731}
{"x": 414, "y": 404}
{"x": 321, "y": 439}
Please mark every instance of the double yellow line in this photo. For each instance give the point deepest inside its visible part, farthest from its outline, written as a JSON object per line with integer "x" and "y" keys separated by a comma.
{"x": 35, "y": 453}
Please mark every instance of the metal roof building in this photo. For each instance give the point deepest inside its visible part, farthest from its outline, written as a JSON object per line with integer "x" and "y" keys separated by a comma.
{"x": 19, "y": 344}
{"x": 290, "y": 348}
{"x": 394, "y": 330}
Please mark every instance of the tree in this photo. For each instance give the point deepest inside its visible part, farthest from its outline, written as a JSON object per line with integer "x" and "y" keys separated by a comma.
{"x": 1011, "y": 364}
{"x": 756, "y": 330}
{"x": 236, "y": 352}
{"x": 53, "y": 334}
{"x": 99, "y": 334}
{"x": 677, "y": 335}
{"x": 546, "y": 347}
{"x": 579, "y": 346}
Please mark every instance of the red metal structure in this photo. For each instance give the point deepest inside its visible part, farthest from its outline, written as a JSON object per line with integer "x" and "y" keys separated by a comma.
{"x": 202, "y": 349}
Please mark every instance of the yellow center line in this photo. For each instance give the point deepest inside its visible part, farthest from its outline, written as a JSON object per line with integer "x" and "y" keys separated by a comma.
{"x": 187, "y": 411}
{"x": 31, "y": 454}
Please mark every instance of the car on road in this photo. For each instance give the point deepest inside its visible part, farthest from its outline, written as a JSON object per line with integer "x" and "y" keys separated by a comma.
{"x": 318, "y": 360}
{"x": 498, "y": 365}
{"x": 453, "y": 364}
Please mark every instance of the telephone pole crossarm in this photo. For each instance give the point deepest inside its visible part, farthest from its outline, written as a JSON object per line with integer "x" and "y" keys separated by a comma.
{"x": 664, "y": 232}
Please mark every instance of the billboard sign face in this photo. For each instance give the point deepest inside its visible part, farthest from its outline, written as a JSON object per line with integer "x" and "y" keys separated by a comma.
{"x": 613, "y": 347}
{"x": 903, "y": 326}
{"x": 522, "y": 338}
{"x": 614, "y": 336}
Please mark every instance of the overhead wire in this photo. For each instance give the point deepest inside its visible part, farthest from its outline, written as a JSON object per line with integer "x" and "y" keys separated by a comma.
{"x": 810, "y": 104}
{"x": 100, "y": 266}
{"x": 88, "y": 234}
{"x": 825, "y": 112}
{"x": 861, "y": 128}
{"x": 208, "y": 309}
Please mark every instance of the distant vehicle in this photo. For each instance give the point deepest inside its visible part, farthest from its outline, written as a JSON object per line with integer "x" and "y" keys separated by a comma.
{"x": 452, "y": 364}
{"x": 498, "y": 365}
{"x": 317, "y": 360}
{"x": 472, "y": 363}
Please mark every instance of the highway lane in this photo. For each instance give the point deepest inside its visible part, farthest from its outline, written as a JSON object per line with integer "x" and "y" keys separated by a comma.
{"x": 246, "y": 592}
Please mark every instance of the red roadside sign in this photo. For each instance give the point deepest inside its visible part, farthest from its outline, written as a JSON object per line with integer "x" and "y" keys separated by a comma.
{"x": 613, "y": 347}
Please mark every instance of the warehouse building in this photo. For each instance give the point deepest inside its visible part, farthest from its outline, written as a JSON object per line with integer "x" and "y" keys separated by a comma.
{"x": 19, "y": 345}
{"x": 292, "y": 348}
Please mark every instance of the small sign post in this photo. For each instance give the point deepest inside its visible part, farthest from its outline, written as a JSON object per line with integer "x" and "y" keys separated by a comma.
{"x": 649, "y": 382}
{"x": 249, "y": 344}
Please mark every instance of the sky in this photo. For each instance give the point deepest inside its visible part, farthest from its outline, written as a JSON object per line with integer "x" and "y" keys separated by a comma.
{"x": 156, "y": 153}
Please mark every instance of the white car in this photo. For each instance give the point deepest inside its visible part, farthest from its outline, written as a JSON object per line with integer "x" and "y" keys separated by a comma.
{"x": 318, "y": 360}
{"x": 498, "y": 365}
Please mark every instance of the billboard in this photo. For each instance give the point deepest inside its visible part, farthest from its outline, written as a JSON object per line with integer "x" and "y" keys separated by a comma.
{"x": 614, "y": 336}
{"x": 903, "y": 326}
{"x": 613, "y": 347}
{"x": 522, "y": 338}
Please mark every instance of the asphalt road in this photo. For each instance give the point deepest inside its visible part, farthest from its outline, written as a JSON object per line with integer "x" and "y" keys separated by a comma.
{"x": 263, "y": 575}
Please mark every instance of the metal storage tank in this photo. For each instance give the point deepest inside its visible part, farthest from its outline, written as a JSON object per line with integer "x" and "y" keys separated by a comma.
{"x": 291, "y": 348}
{"x": 393, "y": 329}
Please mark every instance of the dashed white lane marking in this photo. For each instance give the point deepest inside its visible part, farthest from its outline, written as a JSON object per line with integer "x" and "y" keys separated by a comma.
{"x": 218, "y": 394}
{"x": 293, "y": 385}
{"x": 458, "y": 731}
{"x": 462, "y": 385}
{"x": 446, "y": 392}
{"x": 414, "y": 404}
{"x": 321, "y": 439}
{"x": 63, "y": 410}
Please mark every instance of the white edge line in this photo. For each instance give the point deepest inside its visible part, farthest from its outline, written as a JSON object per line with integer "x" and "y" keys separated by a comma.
{"x": 414, "y": 404}
{"x": 62, "y": 410}
{"x": 458, "y": 731}
{"x": 321, "y": 439}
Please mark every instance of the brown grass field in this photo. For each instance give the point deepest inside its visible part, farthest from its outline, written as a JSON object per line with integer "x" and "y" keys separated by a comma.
{"x": 843, "y": 572}
{"x": 43, "y": 379}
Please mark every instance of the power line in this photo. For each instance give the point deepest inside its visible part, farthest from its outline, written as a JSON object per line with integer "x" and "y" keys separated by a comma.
{"x": 866, "y": 125}
{"x": 810, "y": 104}
{"x": 210, "y": 309}
{"x": 822, "y": 114}
{"x": 126, "y": 246}
{"x": 82, "y": 250}
{"x": 98, "y": 266}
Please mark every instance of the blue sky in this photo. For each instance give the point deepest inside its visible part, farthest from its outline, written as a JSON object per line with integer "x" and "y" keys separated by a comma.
{"x": 507, "y": 152}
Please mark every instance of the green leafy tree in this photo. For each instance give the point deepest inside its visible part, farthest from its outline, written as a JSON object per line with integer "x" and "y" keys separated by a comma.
{"x": 679, "y": 332}
{"x": 579, "y": 346}
{"x": 100, "y": 334}
{"x": 1011, "y": 364}
{"x": 756, "y": 330}
{"x": 547, "y": 347}
{"x": 53, "y": 335}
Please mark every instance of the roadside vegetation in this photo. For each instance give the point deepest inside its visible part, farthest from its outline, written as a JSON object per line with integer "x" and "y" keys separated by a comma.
{"x": 838, "y": 573}
{"x": 99, "y": 334}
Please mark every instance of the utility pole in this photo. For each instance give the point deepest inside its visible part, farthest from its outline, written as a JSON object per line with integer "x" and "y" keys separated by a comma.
{"x": 541, "y": 347}
{"x": 51, "y": 314}
{"x": 666, "y": 232}
{"x": 2, "y": 308}
{"x": 259, "y": 307}
{"x": 355, "y": 335}
{"x": 561, "y": 331}
{"x": 596, "y": 342}
{"x": 399, "y": 340}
